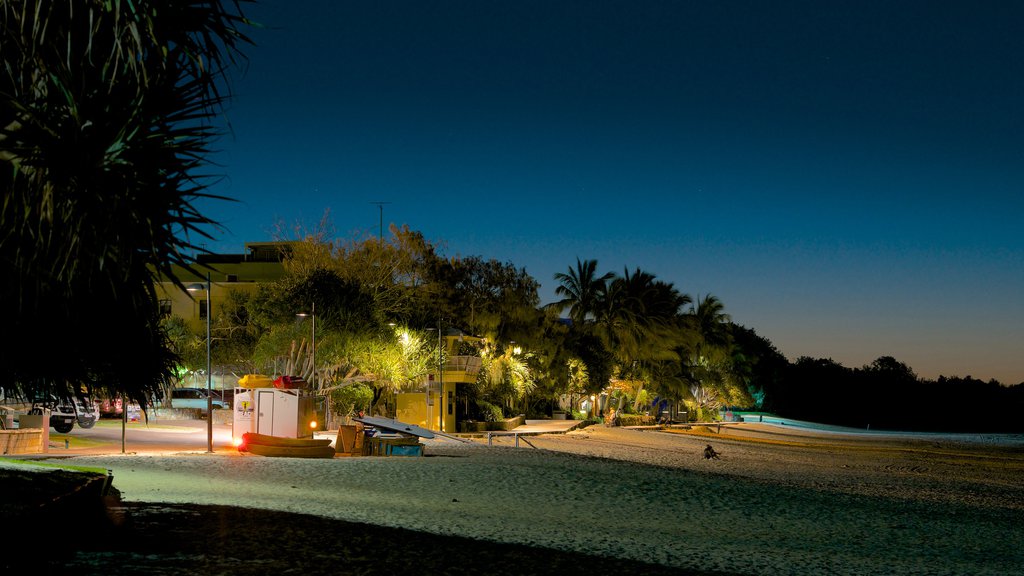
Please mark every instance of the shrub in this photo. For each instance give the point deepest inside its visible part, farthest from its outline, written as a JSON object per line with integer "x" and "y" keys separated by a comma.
{"x": 636, "y": 420}
{"x": 348, "y": 399}
{"x": 490, "y": 412}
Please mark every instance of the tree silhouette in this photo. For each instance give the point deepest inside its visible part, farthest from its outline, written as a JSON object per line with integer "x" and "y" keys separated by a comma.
{"x": 105, "y": 123}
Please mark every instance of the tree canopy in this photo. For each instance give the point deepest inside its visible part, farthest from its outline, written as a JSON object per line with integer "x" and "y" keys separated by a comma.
{"x": 106, "y": 120}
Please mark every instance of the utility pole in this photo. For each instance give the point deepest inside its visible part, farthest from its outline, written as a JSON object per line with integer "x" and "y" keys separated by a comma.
{"x": 380, "y": 205}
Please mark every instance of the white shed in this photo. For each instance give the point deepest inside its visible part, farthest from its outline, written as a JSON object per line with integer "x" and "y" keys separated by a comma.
{"x": 274, "y": 412}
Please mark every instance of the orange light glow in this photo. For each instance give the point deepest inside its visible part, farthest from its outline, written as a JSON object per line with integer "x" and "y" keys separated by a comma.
{"x": 312, "y": 424}
{"x": 236, "y": 441}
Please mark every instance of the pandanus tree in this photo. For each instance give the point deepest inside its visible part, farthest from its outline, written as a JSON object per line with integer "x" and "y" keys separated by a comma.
{"x": 106, "y": 120}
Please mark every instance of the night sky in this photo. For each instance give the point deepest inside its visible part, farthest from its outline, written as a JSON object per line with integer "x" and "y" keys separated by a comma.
{"x": 845, "y": 176}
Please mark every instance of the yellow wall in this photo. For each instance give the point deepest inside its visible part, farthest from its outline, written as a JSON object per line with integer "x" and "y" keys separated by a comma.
{"x": 411, "y": 408}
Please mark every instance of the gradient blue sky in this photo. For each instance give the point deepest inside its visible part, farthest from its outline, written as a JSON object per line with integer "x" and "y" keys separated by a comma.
{"x": 845, "y": 176}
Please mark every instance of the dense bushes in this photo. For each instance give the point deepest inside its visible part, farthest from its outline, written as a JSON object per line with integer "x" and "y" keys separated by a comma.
{"x": 888, "y": 395}
{"x": 636, "y": 420}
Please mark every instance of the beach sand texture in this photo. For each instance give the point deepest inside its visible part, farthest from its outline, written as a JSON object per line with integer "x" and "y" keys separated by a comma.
{"x": 776, "y": 502}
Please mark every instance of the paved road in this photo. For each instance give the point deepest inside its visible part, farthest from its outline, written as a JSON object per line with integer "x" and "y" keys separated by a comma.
{"x": 191, "y": 436}
{"x": 141, "y": 437}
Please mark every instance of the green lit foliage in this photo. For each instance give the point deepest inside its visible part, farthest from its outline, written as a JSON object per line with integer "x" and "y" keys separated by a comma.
{"x": 348, "y": 400}
{"x": 489, "y": 412}
{"x": 400, "y": 363}
{"x": 506, "y": 379}
{"x": 106, "y": 111}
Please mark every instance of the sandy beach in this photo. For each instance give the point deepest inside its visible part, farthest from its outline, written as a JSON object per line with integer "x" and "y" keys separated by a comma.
{"x": 777, "y": 501}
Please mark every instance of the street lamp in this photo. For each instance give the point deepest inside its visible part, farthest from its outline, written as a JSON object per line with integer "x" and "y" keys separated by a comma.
{"x": 440, "y": 382}
{"x": 312, "y": 377}
{"x": 209, "y": 373}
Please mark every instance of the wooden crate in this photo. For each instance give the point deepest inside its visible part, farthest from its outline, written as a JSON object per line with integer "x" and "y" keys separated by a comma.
{"x": 350, "y": 441}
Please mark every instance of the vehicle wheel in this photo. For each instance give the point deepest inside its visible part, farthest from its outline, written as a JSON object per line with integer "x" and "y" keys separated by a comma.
{"x": 63, "y": 427}
{"x": 86, "y": 422}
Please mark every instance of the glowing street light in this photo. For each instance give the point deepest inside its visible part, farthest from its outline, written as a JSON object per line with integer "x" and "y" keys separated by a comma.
{"x": 209, "y": 374}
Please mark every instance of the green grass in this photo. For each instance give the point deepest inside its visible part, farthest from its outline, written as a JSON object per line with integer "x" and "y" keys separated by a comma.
{"x": 90, "y": 470}
{"x": 77, "y": 441}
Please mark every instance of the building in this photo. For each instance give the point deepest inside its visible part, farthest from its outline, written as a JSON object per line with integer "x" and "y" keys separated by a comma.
{"x": 262, "y": 262}
{"x": 436, "y": 408}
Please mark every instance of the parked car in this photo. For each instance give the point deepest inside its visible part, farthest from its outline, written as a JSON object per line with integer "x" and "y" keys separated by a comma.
{"x": 196, "y": 398}
{"x": 64, "y": 414}
{"x": 114, "y": 409}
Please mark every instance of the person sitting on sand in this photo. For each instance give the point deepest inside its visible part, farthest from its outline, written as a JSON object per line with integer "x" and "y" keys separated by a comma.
{"x": 710, "y": 453}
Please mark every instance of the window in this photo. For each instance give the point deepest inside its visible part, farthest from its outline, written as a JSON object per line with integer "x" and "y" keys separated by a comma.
{"x": 202, "y": 308}
{"x": 165, "y": 308}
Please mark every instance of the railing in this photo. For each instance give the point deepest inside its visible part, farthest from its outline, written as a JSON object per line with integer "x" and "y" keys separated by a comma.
{"x": 468, "y": 364}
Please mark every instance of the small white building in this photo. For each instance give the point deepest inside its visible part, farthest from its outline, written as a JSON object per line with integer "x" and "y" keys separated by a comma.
{"x": 274, "y": 412}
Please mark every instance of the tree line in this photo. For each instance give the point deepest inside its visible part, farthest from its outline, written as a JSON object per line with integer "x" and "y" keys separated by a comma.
{"x": 635, "y": 338}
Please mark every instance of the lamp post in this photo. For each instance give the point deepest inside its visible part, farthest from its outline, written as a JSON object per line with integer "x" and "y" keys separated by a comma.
{"x": 312, "y": 377}
{"x": 440, "y": 380}
{"x": 209, "y": 373}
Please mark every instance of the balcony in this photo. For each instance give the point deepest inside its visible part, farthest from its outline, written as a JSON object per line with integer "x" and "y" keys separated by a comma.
{"x": 462, "y": 369}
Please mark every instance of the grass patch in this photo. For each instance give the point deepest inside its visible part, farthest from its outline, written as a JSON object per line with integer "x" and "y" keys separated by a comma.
{"x": 76, "y": 441}
{"x": 88, "y": 469}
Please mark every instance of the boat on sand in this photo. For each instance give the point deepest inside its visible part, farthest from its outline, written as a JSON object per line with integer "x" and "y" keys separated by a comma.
{"x": 264, "y": 445}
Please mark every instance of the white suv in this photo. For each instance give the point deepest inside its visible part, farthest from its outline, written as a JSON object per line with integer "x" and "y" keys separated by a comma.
{"x": 64, "y": 414}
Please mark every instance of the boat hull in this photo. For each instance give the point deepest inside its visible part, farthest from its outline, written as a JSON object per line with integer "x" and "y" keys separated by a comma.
{"x": 250, "y": 438}
{"x": 292, "y": 451}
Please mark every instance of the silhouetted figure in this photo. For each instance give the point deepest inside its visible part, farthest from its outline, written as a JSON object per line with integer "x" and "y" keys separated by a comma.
{"x": 710, "y": 453}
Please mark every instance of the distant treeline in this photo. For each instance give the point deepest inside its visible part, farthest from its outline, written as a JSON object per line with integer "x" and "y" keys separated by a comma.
{"x": 885, "y": 394}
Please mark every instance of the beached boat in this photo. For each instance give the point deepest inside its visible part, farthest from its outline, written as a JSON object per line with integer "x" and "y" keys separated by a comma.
{"x": 250, "y": 438}
{"x": 293, "y": 451}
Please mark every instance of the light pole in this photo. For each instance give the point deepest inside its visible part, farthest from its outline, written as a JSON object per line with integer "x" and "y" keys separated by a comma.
{"x": 380, "y": 205}
{"x": 209, "y": 373}
{"x": 312, "y": 377}
{"x": 440, "y": 380}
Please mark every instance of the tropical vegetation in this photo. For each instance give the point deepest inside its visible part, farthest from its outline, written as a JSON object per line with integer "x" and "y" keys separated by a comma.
{"x": 628, "y": 344}
{"x": 106, "y": 122}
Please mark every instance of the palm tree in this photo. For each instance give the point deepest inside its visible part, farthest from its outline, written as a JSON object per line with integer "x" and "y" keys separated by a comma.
{"x": 710, "y": 322}
{"x": 717, "y": 372}
{"x": 105, "y": 124}
{"x": 581, "y": 290}
{"x": 638, "y": 317}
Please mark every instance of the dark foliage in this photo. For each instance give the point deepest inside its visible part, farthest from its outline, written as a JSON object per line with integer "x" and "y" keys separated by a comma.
{"x": 886, "y": 394}
{"x": 105, "y": 111}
